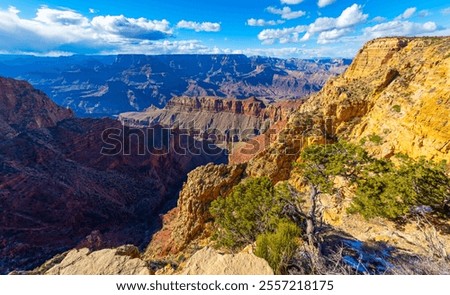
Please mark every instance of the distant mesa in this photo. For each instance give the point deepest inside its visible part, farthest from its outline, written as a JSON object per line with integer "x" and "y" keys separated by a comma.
{"x": 220, "y": 120}
{"x": 98, "y": 86}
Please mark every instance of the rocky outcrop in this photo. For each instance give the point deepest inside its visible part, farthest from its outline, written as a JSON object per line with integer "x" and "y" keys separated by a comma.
{"x": 375, "y": 55}
{"x": 124, "y": 260}
{"x": 109, "y": 85}
{"x": 204, "y": 185}
{"x": 24, "y": 108}
{"x": 397, "y": 89}
{"x": 209, "y": 262}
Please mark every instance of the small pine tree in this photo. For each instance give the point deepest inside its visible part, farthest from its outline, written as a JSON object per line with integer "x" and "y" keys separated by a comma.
{"x": 252, "y": 208}
{"x": 395, "y": 192}
{"x": 277, "y": 248}
{"x": 319, "y": 165}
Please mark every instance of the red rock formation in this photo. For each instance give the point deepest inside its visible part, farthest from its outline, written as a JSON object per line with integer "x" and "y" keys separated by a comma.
{"x": 57, "y": 187}
{"x": 207, "y": 112}
{"x": 23, "y": 107}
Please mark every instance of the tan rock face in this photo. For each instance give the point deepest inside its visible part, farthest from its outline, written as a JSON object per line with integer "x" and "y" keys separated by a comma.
{"x": 204, "y": 185}
{"x": 375, "y": 55}
{"x": 124, "y": 260}
{"x": 397, "y": 89}
{"x": 209, "y": 262}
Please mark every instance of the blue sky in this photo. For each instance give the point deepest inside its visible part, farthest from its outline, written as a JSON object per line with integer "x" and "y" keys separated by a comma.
{"x": 283, "y": 28}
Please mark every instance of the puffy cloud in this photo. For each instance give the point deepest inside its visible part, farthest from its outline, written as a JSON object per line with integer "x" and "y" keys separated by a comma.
{"x": 351, "y": 16}
{"x": 63, "y": 32}
{"x": 40, "y": 33}
{"x": 407, "y": 13}
{"x": 13, "y": 10}
{"x": 379, "y": 19}
{"x": 286, "y": 12}
{"x": 338, "y": 27}
{"x": 322, "y": 24}
{"x": 291, "y": 2}
{"x": 262, "y": 23}
{"x": 59, "y": 31}
{"x": 331, "y": 36}
{"x": 424, "y": 13}
{"x": 323, "y": 3}
{"x": 199, "y": 27}
{"x": 400, "y": 28}
{"x": 62, "y": 17}
{"x": 54, "y": 29}
{"x": 139, "y": 28}
{"x": 286, "y": 35}
{"x": 445, "y": 11}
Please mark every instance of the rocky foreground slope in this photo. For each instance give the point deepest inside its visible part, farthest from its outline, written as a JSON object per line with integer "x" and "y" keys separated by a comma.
{"x": 59, "y": 190}
{"x": 109, "y": 85}
{"x": 394, "y": 98}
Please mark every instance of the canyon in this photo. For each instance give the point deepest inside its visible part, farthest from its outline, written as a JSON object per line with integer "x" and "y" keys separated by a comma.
{"x": 64, "y": 183}
{"x": 99, "y": 86}
{"x": 393, "y": 98}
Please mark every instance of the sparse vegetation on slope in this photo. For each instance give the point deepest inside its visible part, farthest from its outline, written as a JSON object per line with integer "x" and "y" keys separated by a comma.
{"x": 253, "y": 207}
{"x": 279, "y": 247}
{"x": 394, "y": 192}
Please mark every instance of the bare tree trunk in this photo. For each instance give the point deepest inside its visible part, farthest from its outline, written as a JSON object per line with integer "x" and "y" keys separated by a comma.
{"x": 311, "y": 217}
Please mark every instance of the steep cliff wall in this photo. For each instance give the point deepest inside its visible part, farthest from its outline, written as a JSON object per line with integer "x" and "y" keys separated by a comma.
{"x": 224, "y": 120}
{"x": 398, "y": 90}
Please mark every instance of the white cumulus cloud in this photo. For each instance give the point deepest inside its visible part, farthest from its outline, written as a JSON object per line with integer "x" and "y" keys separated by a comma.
{"x": 139, "y": 28}
{"x": 399, "y": 28}
{"x": 424, "y": 13}
{"x": 263, "y": 23}
{"x": 334, "y": 28}
{"x": 62, "y": 17}
{"x": 379, "y": 19}
{"x": 286, "y": 12}
{"x": 323, "y": 3}
{"x": 407, "y": 13}
{"x": 53, "y": 29}
{"x": 331, "y": 36}
{"x": 351, "y": 16}
{"x": 286, "y": 35}
{"x": 199, "y": 27}
{"x": 291, "y": 2}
